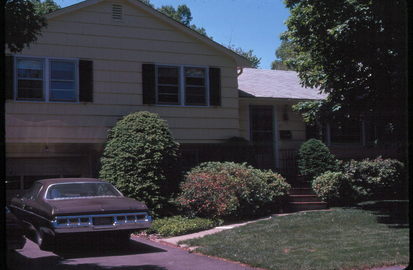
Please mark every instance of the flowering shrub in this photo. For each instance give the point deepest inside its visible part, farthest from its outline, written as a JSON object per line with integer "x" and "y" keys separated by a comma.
{"x": 228, "y": 189}
{"x": 334, "y": 188}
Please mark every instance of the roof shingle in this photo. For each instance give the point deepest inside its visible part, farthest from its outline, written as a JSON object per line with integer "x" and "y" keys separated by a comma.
{"x": 274, "y": 84}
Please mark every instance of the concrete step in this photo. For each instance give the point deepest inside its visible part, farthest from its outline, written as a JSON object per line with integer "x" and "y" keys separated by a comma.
{"x": 301, "y": 191}
{"x": 304, "y": 198}
{"x": 306, "y": 206}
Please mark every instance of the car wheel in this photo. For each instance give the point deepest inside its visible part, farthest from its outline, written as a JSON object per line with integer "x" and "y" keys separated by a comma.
{"x": 44, "y": 241}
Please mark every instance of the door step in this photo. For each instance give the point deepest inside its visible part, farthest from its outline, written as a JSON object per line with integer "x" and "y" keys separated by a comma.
{"x": 304, "y": 199}
{"x": 302, "y": 191}
{"x": 306, "y": 206}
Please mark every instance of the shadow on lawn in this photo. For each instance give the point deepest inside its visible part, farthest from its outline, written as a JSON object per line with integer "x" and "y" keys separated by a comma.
{"x": 394, "y": 213}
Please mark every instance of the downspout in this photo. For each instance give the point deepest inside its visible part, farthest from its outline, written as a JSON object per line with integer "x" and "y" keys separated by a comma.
{"x": 239, "y": 71}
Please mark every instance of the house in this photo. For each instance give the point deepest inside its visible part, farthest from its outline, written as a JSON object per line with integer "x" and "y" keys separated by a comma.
{"x": 100, "y": 60}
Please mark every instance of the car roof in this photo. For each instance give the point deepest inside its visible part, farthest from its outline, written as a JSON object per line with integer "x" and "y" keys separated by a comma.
{"x": 67, "y": 180}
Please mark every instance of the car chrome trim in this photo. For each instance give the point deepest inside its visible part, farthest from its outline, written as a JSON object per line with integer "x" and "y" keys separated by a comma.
{"x": 87, "y": 220}
{"x": 30, "y": 212}
{"x": 51, "y": 185}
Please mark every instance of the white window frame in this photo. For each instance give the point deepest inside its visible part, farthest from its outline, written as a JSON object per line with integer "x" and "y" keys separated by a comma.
{"x": 182, "y": 86}
{"x": 46, "y": 78}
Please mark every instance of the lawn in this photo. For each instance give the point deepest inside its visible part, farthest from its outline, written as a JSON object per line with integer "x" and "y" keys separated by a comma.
{"x": 344, "y": 238}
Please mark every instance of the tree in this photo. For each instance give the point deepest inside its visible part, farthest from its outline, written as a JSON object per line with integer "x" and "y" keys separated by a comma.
{"x": 183, "y": 15}
{"x": 141, "y": 159}
{"x": 23, "y": 24}
{"x": 355, "y": 51}
{"x": 285, "y": 52}
{"x": 255, "y": 61}
{"x": 45, "y": 7}
{"x": 24, "y": 21}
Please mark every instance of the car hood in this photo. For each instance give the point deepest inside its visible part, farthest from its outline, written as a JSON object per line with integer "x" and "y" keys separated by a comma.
{"x": 95, "y": 205}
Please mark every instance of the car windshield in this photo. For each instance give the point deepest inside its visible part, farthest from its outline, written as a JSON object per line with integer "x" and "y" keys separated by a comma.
{"x": 80, "y": 190}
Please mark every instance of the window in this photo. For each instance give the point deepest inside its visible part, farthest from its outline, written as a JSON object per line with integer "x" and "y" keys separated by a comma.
{"x": 46, "y": 79}
{"x": 168, "y": 85}
{"x": 179, "y": 85}
{"x": 62, "y": 80}
{"x": 195, "y": 86}
{"x": 30, "y": 78}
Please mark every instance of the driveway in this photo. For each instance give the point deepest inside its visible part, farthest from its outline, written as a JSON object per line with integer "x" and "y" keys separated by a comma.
{"x": 139, "y": 254}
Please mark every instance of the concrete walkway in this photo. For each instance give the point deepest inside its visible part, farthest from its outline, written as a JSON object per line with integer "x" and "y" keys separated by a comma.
{"x": 398, "y": 267}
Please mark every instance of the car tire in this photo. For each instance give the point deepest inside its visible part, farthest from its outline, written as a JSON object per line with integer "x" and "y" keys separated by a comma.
{"x": 44, "y": 241}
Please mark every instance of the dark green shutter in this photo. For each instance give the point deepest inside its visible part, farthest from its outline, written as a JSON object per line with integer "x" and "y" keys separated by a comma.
{"x": 9, "y": 71}
{"x": 214, "y": 86}
{"x": 148, "y": 84}
{"x": 85, "y": 80}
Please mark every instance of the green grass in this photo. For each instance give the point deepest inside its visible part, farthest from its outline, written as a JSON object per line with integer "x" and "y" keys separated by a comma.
{"x": 339, "y": 239}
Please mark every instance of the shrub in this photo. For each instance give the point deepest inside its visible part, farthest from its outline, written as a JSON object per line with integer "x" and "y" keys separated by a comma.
{"x": 314, "y": 158}
{"x": 375, "y": 179}
{"x": 228, "y": 189}
{"x": 334, "y": 188}
{"x": 368, "y": 179}
{"x": 141, "y": 159}
{"x": 177, "y": 225}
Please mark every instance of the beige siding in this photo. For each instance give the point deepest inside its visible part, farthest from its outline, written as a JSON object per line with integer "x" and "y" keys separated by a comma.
{"x": 118, "y": 50}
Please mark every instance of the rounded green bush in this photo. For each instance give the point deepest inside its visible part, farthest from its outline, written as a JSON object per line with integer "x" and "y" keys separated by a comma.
{"x": 141, "y": 159}
{"x": 333, "y": 187}
{"x": 314, "y": 158}
{"x": 228, "y": 189}
{"x": 375, "y": 178}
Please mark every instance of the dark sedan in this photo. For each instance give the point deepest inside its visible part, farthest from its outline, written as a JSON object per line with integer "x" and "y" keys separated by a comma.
{"x": 53, "y": 209}
{"x": 14, "y": 231}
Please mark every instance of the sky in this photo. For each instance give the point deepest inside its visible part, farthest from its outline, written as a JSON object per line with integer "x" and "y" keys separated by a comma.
{"x": 250, "y": 24}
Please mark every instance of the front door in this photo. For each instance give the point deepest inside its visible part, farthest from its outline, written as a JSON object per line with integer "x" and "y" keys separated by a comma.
{"x": 262, "y": 135}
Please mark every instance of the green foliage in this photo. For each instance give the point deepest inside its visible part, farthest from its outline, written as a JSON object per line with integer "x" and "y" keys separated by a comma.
{"x": 181, "y": 14}
{"x": 45, "y": 7}
{"x": 177, "y": 225}
{"x": 355, "y": 51}
{"x": 375, "y": 179}
{"x": 141, "y": 159}
{"x": 314, "y": 158}
{"x": 334, "y": 188}
{"x": 362, "y": 180}
{"x": 228, "y": 189}
{"x": 255, "y": 61}
{"x": 285, "y": 52}
{"x": 309, "y": 110}
{"x": 23, "y": 24}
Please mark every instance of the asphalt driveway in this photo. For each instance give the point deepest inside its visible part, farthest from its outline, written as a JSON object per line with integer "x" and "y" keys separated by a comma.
{"x": 138, "y": 254}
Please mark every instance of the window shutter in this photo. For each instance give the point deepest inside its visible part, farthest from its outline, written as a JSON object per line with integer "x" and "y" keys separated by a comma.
{"x": 86, "y": 80}
{"x": 9, "y": 71}
{"x": 148, "y": 84}
{"x": 214, "y": 86}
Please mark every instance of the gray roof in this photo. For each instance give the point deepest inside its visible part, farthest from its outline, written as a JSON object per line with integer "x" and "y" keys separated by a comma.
{"x": 274, "y": 84}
